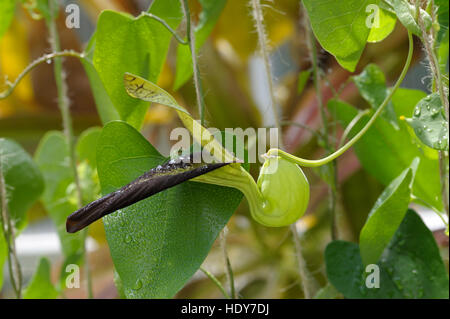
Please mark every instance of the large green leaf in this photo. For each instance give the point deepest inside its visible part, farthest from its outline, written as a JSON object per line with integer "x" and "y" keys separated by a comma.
{"x": 52, "y": 157}
{"x": 410, "y": 267}
{"x": 385, "y": 152}
{"x": 429, "y": 122}
{"x": 211, "y": 10}
{"x": 24, "y": 182}
{"x": 371, "y": 84}
{"x": 340, "y": 26}
{"x": 6, "y": 14}
{"x": 40, "y": 286}
{"x": 138, "y": 45}
{"x": 158, "y": 243}
{"x": 386, "y": 216}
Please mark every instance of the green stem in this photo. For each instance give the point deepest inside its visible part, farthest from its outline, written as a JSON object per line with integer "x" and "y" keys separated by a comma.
{"x": 262, "y": 40}
{"x": 351, "y": 125}
{"x": 229, "y": 270}
{"x": 340, "y": 151}
{"x": 332, "y": 187}
{"x": 64, "y": 107}
{"x": 190, "y": 33}
{"x": 216, "y": 282}
{"x": 166, "y": 25}
{"x": 47, "y": 57}
{"x": 438, "y": 85}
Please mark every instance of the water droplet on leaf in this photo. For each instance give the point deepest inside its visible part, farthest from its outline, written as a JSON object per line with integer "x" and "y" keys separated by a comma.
{"x": 137, "y": 285}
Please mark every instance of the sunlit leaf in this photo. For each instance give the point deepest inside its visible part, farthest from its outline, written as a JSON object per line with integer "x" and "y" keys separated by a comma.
{"x": 387, "y": 21}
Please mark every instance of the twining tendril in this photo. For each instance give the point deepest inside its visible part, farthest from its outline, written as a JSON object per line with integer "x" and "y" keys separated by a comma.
{"x": 340, "y": 151}
{"x": 10, "y": 86}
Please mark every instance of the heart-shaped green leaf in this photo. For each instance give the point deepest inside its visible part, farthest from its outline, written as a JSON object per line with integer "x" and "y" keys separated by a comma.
{"x": 429, "y": 123}
{"x": 386, "y": 25}
{"x": 386, "y": 215}
{"x": 341, "y": 27}
{"x": 158, "y": 243}
{"x": 410, "y": 267}
{"x": 138, "y": 45}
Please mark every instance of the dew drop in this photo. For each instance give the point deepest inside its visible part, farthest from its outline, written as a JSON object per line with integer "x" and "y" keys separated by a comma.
{"x": 417, "y": 111}
{"x": 434, "y": 111}
{"x": 48, "y": 61}
{"x": 137, "y": 284}
{"x": 128, "y": 238}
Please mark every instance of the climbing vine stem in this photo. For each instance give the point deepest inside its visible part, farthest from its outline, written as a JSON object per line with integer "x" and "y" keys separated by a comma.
{"x": 351, "y": 142}
{"x": 190, "y": 34}
{"x": 332, "y": 186}
{"x": 428, "y": 40}
{"x": 64, "y": 107}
